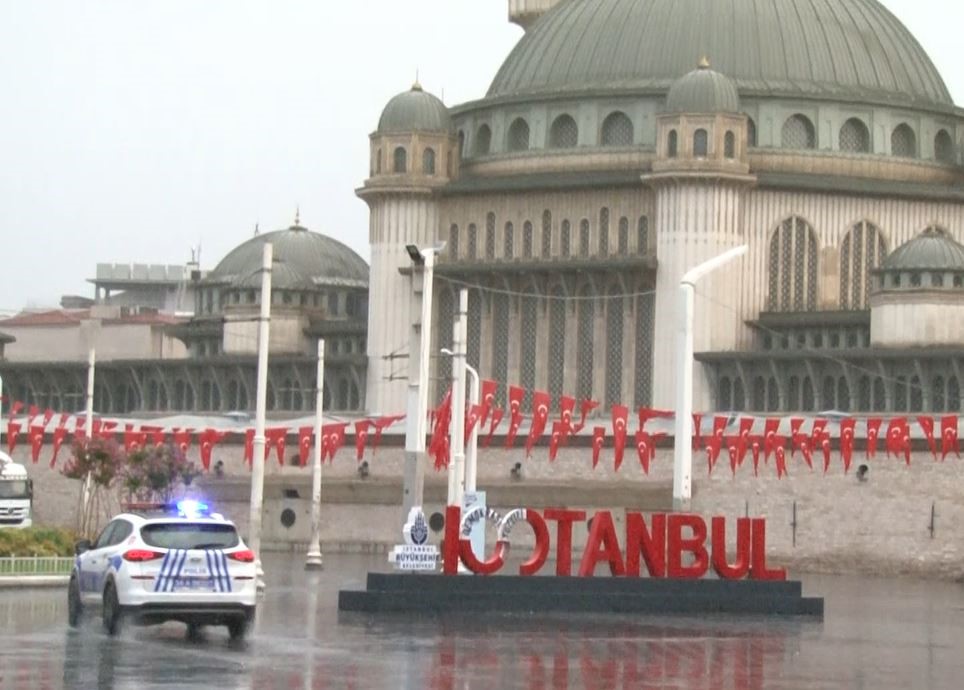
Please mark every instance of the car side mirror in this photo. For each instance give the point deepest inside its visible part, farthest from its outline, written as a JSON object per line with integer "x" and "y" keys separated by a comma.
{"x": 82, "y": 546}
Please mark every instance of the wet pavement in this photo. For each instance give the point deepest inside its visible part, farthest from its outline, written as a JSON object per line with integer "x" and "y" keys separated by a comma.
{"x": 876, "y": 634}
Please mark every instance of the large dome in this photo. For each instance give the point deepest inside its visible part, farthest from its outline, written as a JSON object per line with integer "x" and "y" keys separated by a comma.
{"x": 850, "y": 50}
{"x": 303, "y": 260}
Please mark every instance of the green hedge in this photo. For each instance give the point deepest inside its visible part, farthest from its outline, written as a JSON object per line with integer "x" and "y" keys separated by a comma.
{"x": 36, "y": 541}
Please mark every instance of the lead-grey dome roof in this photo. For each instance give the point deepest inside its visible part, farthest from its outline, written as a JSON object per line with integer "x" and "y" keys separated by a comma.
{"x": 703, "y": 91}
{"x": 415, "y": 110}
{"x": 303, "y": 260}
{"x": 850, "y": 50}
{"x": 932, "y": 250}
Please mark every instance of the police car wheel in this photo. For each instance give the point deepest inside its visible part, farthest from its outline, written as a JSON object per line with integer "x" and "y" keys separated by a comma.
{"x": 112, "y": 612}
{"x": 75, "y": 608}
{"x": 238, "y": 628}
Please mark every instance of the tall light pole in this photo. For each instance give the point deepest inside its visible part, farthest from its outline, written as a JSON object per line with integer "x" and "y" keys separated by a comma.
{"x": 257, "y": 462}
{"x": 313, "y": 561}
{"x": 683, "y": 430}
{"x": 457, "y": 467}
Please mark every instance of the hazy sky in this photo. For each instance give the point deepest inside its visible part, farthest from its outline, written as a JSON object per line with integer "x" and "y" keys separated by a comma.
{"x": 133, "y": 130}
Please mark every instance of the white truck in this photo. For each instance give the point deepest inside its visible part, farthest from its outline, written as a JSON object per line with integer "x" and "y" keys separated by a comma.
{"x": 16, "y": 494}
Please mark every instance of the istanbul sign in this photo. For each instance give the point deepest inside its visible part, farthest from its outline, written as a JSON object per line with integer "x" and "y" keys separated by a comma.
{"x": 678, "y": 546}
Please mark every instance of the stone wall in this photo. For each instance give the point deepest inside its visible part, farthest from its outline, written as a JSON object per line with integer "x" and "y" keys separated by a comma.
{"x": 881, "y": 525}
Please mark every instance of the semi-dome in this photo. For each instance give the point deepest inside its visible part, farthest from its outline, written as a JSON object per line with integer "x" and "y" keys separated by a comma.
{"x": 415, "y": 110}
{"x": 850, "y": 50}
{"x": 303, "y": 260}
{"x": 703, "y": 91}
{"x": 932, "y": 250}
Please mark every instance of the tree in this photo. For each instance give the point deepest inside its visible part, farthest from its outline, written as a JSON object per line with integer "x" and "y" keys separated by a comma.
{"x": 95, "y": 461}
{"x": 155, "y": 474}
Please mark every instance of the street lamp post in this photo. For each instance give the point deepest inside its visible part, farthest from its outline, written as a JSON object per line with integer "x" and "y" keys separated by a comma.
{"x": 457, "y": 467}
{"x": 313, "y": 561}
{"x": 683, "y": 428}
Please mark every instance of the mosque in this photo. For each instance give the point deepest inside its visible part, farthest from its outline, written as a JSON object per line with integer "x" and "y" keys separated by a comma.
{"x": 621, "y": 143}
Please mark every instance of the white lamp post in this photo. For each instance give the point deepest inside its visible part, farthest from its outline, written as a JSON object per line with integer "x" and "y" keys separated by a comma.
{"x": 683, "y": 445}
{"x": 313, "y": 561}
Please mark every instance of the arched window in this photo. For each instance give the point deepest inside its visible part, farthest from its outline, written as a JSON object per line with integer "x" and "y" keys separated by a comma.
{"x": 401, "y": 160}
{"x": 604, "y": 232}
{"x": 645, "y": 319}
{"x": 773, "y": 395}
{"x": 617, "y": 130}
{"x": 461, "y": 144}
{"x": 623, "y": 241}
{"x": 557, "y": 341}
{"x": 798, "y": 133}
{"x": 672, "y": 144}
{"x": 726, "y": 394}
{"x": 944, "y": 147}
{"x": 473, "y": 338}
{"x": 827, "y": 400}
{"x": 546, "y": 234}
{"x": 528, "y": 341}
{"x": 843, "y": 394}
{"x": 916, "y": 395}
{"x": 739, "y": 395}
{"x": 938, "y": 394}
{"x": 584, "y": 342}
{"x": 473, "y": 242}
{"x": 809, "y": 402}
{"x": 700, "y": 143}
{"x": 428, "y": 161}
{"x": 565, "y": 233}
{"x": 793, "y": 393}
{"x": 642, "y": 235}
{"x": 584, "y": 237}
{"x": 854, "y": 136}
{"x": 454, "y": 241}
{"x": 500, "y": 342}
{"x": 729, "y": 145}
{"x": 483, "y": 141}
{"x": 378, "y": 162}
{"x": 793, "y": 267}
{"x": 750, "y": 132}
{"x": 903, "y": 142}
{"x": 564, "y": 133}
{"x": 508, "y": 241}
{"x": 863, "y": 395}
{"x": 518, "y": 135}
{"x": 880, "y": 396}
{"x": 614, "y": 346}
{"x": 446, "y": 318}
{"x": 862, "y": 251}
{"x": 490, "y": 236}
{"x": 759, "y": 394}
{"x": 953, "y": 395}
{"x": 527, "y": 240}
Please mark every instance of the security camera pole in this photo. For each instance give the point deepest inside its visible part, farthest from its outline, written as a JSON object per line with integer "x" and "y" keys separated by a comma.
{"x": 313, "y": 561}
{"x": 257, "y": 462}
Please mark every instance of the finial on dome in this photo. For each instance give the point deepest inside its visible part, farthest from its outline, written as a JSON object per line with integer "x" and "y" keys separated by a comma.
{"x": 416, "y": 86}
{"x": 704, "y": 63}
{"x": 257, "y": 229}
{"x": 297, "y": 216}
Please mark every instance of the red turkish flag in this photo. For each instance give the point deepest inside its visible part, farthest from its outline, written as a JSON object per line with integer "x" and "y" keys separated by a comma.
{"x": 63, "y": 419}
{"x": 438, "y": 444}
{"x": 598, "y": 439}
{"x": 540, "y": 417}
{"x": 249, "y": 446}
{"x": 36, "y": 437}
{"x": 648, "y": 413}
{"x": 60, "y": 435}
{"x": 585, "y": 407}
{"x": 361, "y": 437}
{"x": 781, "y": 455}
{"x": 567, "y": 408}
{"x": 32, "y": 413}
{"x": 472, "y": 418}
{"x": 13, "y": 433}
{"x": 131, "y": 438}
{"x": 48, "y": 415}
{"x": 949, "y": 436}
{"x": 304, "y": 443}
{"x": 927, "y": 426}
{"x": 825, "y": 447}
{"x": 489, "y": 389}
{"x": 644, "y": 449}
{"x": 382, "y": 423}
{"x": 620, "y": 419}
{"x": 335, "y": 433}
{"x": 817, "y": 433}
{"x": 555, "y": 439}
{"x": 494, "y": 422}
{"x": 800, "y": 441}
{"x": 714, "y": 444}
{"x": 756, "y": 445}
{"x": 104, "y": 429}
{"x": 156, "y": 435}
{"x": 770, "y": 429}
{"x": 847, "y": 427}
{"x": 16, "y": 407}
{"x": 873, "y": 429}
{"x": 276, "y": 438}
{"x": 746, "y": 425}
{"x": 895, "y": 435}
{"x": 516, "y": 395}
{"x": 207, "y": 439}
{"x": 732, "y": 445}
{"x": 697, "y": 430}
{"x": 182, "y": 439}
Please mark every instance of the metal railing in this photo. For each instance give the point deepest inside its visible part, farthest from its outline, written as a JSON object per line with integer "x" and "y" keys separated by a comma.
{"x": 35, "y": 565}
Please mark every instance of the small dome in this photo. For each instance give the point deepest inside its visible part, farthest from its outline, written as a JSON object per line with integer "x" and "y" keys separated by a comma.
{"x": 415, "y": 111}
{"x": 703, "y": 91}
{"x": 303, "y": 260}
{"x": 932, "y": 250}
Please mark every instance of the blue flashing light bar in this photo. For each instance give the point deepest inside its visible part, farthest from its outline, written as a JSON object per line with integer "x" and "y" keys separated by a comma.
{"x": 191, "y": 508}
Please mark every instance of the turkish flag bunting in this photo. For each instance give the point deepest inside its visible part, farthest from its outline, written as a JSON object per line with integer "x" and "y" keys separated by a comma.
{"x": 207, "y": 440}
{"x": 555, "y": 439}
{"x": 746, "y": 425}
{"x": 13, "y": 433}
{"x": 60, "y": 434}
{"x": 32, "y": 413}
{"x": 36, "y": 435}
{"x": 620, "y": 418}
{"x": 585, "y": 407}
{"x": 770, "y": 429}
{"x": 567, "y": 408}
{"x": 927, "y": 426}
{"x": 781, "y": 456}
{"x": 847, "y": 441}
{"x": 182, "y": 439}
{"x": 304, "y": 443}
{"x": 697, "y": 430}
{"x": 896, "y": 430}
{"x": 949, "y": 436}
{"x": 131, "y": 438}
{"x": 800, "y": 441}
{"x": 714, "y": 444}
{"x": 489, "y": 389}
{"x": 473, "y": 417}
{"x": 817, "y": 433}
{"x": 48, "y": 415}
{"x": 333, "y": 438}
{"x": 873, "y": 430}
{"x": 494, "y": 422}
{"x": 645, "y": 450}
{"x": 648, "y": 413}
{"x": 276, "y": 438}
{"x": 540, "y": 417}
{"x": 249, "y": 446}
{"x": 361, "y": 437}
{"x": 732, "y": 444}
{"x": 756, "y": 445}
{"x": 63, "y": 419}
{"x": 516, "y": 395}
{"x": 598, "y": 439}
{"x": 381, "y": 424}
{"x": 16, "y": 407}
{"x": 105, "y": 429}
{"x": 439, "y": 443}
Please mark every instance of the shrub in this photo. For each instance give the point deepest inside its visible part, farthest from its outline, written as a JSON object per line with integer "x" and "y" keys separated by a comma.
{"x": 36, "y": 541}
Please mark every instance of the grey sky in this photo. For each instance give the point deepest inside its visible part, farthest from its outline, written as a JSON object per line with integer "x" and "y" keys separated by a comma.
{"x": 132, "y": 130}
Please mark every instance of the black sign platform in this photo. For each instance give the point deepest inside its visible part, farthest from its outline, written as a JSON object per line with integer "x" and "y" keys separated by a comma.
{"x": 439, "y": 594}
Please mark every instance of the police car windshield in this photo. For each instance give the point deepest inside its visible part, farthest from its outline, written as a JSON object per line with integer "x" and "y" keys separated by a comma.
{"x": 188, "y": 535}
{"x": 14, "y": 489}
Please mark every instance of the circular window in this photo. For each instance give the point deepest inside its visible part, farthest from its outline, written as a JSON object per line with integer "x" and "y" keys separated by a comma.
{"x": 436, "y": 521}
{"x": 288, "y": 517}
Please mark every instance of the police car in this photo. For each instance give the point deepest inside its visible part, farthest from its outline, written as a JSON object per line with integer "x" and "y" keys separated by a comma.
{"x": 158, "y": 563}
